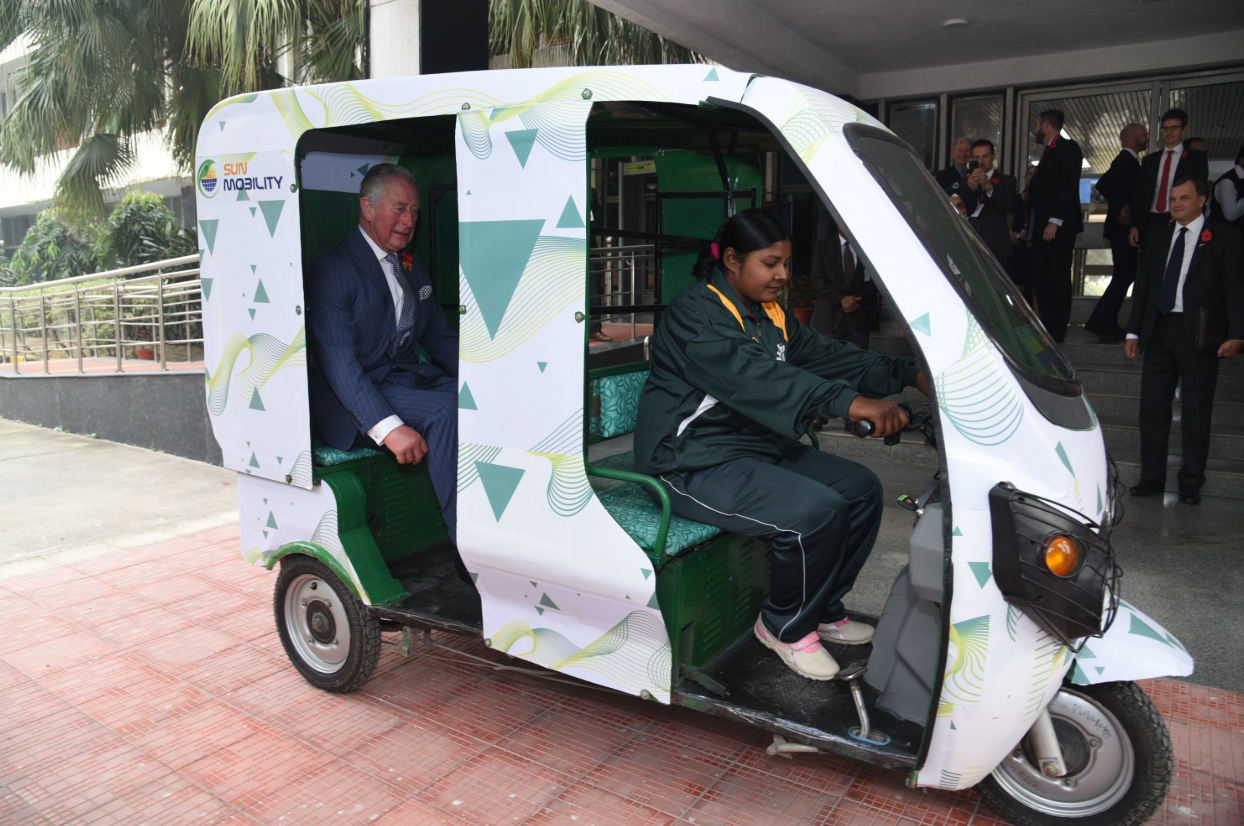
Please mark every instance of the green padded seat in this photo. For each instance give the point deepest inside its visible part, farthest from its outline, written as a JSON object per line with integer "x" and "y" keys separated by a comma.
{"x": 326, "y": 455}
{"x": 639, "y": 514}
{"x": 615, "y": 403}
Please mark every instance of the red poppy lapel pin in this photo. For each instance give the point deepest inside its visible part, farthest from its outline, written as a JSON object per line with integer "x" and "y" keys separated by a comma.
{"x": 408, "y": 261}
{"x": 995, "y": 180}
{"x": 1206, "y": 237}
{"x": 1184, "y": 155}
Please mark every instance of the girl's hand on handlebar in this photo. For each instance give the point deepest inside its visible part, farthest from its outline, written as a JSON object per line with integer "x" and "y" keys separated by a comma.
{"x": 887, "y": 417}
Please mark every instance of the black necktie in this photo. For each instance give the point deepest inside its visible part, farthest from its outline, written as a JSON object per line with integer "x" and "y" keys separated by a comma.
{"x": 1170, "y": 281}
{"x": 848, "y": 264}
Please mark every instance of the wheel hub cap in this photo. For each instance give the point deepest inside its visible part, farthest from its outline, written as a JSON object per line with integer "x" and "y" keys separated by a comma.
{"x": 317, "y": 622}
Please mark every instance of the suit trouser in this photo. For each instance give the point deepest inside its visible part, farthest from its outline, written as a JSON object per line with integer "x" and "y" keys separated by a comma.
{"x": 1170, "y": 359}
{"x": 818, "y": 512}
{"x": 1126, "y": 259}
{"x": 1051, "y": 280}
{"x": 853, "y": 327}
{"x": 432, "y": 410}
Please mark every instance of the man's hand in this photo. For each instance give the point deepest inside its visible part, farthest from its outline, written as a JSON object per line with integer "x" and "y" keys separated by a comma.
{"x": 888, "y": 417}
{"x": 1133, "y": 237}
{"x": 1131, "y": 348}
{"x": 407, "y": 445}
{"x": 922, "y": 384}
{"x": 850, "y": 303}
{"x": 1229, "y": 349}
{"x": 976, "y": 179}
{"x": 1125, "y": 215}
{"x": 1014, "y": 238}
{"x": 1051, "y": 229}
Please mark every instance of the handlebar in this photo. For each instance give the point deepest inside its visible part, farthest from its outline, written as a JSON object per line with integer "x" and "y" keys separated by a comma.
{"x": 916, "y": 420}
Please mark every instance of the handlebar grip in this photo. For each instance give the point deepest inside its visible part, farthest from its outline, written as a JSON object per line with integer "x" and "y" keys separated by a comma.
{"x": 863, "y": 428}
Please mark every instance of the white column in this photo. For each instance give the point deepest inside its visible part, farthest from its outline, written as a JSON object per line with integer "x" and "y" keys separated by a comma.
{"x": 394, "y": 30}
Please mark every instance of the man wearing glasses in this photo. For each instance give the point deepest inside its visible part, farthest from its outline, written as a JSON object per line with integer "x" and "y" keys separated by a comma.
{"x": 1150, "y": 210}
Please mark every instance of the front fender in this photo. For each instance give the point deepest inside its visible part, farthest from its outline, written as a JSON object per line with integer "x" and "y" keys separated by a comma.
{"x": 1134, "y": 648}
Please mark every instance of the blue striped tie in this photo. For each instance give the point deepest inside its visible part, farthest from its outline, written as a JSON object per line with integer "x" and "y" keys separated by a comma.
{"x": 406, "y": 319}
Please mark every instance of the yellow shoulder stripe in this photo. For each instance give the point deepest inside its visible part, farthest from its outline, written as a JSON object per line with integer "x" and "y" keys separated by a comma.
{"x": 776, "y": 314}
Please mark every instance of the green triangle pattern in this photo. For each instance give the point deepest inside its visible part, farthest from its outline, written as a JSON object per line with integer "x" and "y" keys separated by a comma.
{"x": 957, "y": 532}
{"x": 209, "y": 227}
{"x": 952, "y": 726}
{"x": 278, "y": 460}
{"x": 271, "y": 214}
{"x": 522, "y": 140}
{"x": 1099, "y": 499}
{"x": 256, "y": 402}
{"x": 207, "y": 374}
{"x": 1142, "y": 629}
{"x": 712, "y": 74}
{"x": 1100, "y": 669}
{"x": 222, "y": 126}
{"x": 1086, "y": 654}
{"x": 362, "y": 170}
{"x": 206, "y": 283}
{"x": 499, "y": 482}
{"x": 252, "y": 212}
{"x": 265, "y": 534}
{"x": 981, "y": 571}
{"x": 253, "y": 268}
{"x": 261, "y": 295}
{"x": 466, "y": 401}
{"x": 539, "y": 610}
{"x": 570, "y": 216}
{"x": 542, "y": 365}
{"x": 253, "y": 462}
{"x": 1062, "y": 454}
{"x": 652, "y": 603}
{"x": 548, "y": 603}
{"x": 242, "y": 196}
{"x": 646, "y": 572}
{"x": 493, "y": 257}
{"x": 251, "y": 310}
{"x": 923, "y": 325}
{"x": 272, "y": 521}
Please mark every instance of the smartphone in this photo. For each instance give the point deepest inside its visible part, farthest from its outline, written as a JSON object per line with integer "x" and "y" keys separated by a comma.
{"x": 973, "y": 166}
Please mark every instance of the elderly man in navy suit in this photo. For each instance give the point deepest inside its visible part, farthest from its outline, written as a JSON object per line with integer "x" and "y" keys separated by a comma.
{"x": 370, "y": 307}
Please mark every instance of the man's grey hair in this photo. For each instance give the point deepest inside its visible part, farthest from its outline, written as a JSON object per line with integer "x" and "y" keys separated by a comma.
{"x": 964, "y": 139}
{"x": 376, "y": 181}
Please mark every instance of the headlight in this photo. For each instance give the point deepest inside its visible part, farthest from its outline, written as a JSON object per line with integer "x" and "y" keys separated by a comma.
{"x": 1055, "y": 565}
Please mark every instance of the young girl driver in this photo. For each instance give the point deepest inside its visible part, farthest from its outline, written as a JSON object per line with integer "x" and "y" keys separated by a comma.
{"x": 734, "y": 383}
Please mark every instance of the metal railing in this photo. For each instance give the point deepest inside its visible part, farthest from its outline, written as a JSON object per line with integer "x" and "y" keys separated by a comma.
{"x": 620, "y": 276}
{"x": 132, "y": 318}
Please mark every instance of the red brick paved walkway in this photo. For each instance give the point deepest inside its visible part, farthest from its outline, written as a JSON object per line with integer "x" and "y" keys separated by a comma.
{"x": 149, "y": 686}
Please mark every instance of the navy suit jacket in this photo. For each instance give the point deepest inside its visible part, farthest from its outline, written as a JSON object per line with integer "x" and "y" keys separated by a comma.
{"x": 351, "y": 324}
{"x": 1117, "y": 186}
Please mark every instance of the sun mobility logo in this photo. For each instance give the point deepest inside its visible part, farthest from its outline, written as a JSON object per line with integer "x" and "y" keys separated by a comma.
{"x": 207, "y": 178}
{"x": 234, "y": 179}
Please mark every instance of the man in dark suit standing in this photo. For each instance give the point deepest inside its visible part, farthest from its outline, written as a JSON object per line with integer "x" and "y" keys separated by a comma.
{"x": 1184, "y": 266}
{"x": 995, "y": 198}
{"x": 847, "y": 306}
{"x": 370, "y": 307}
{"x": 1117, "y": 186}
{"x": 954, "y": 178}
{"x": 1158, "y": 173}
{"x": 1054, "y": 221}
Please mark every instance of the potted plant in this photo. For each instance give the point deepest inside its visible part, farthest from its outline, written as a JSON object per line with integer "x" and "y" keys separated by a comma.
{"x": 802, "y": 296}
{"x": 146, "y": 353}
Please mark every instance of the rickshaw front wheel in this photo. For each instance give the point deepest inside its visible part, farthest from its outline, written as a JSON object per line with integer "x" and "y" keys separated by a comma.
{"x": 326, "y": 631}
{"x": 1118, "y": 756}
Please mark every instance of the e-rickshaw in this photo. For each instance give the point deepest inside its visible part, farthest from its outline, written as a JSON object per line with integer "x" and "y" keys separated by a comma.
{"x": 1004, "y": 658}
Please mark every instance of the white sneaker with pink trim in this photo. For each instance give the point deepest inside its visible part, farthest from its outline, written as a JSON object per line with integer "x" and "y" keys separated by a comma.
{"x": 845, "y": 631}
{"x": 807, "y": 658}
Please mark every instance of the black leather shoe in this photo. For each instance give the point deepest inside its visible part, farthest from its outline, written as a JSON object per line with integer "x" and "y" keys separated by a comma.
{"x": 1190, "y": 497}
{"x": 1146, "y": 489}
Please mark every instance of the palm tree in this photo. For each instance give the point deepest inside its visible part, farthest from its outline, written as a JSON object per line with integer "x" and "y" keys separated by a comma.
{"x": 594, "y": 37}
{"x": 102, "y": 72}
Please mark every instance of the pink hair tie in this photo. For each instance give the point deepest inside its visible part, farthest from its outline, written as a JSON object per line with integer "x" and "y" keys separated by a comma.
{"x": 713, "y": 250}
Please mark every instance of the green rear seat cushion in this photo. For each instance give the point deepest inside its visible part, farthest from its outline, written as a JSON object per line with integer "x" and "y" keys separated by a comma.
{"x": 619, "y": 402}
{"x": 326, "y": 455}
{"x": 639, "y": 515}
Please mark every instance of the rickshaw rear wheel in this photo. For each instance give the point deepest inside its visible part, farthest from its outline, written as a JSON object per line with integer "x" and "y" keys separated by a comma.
{"x": 326, "y": 631}
{"x": 1107, "y": 784}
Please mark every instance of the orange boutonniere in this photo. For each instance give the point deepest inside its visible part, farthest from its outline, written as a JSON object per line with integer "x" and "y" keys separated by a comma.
{"x": 1206, "y": 237}
{"x": 408, "y": 261}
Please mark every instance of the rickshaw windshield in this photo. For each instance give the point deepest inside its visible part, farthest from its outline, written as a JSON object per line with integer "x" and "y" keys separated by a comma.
{"x": 964, "y": 259}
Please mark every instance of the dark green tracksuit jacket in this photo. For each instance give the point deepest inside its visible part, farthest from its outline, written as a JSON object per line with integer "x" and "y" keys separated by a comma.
{"x": 730, "y": 380}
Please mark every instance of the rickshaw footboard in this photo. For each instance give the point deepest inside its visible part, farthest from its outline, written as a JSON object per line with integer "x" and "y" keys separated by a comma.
{"x": 438, "y": 596}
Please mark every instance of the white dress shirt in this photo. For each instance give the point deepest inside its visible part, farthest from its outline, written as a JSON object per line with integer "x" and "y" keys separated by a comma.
{"x": 1170, "y": 176}
{"x": 387, "y": 425}
{"x": 842, "y": 242}
{"x": 1232, "y": 205}
{"x": 1191, "y": 239}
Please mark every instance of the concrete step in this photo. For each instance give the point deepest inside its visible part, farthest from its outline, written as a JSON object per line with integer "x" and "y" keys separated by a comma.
{"x": 1126, "y": 408}
{"x": 1082, "y": 308}
{"x": 1125, "y": 381}
{"x": 1123, "y": 439}
{"x": 1223, "y": 478}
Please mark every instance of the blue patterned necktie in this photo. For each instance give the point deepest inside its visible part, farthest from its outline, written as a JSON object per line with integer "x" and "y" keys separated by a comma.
{"x": 406, "y": 319}
{"x": 1170, "y": 281}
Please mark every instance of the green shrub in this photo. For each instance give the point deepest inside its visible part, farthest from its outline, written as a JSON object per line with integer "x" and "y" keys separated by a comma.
{"x": 139, "y": 231}
{"x": 53, "y": 248}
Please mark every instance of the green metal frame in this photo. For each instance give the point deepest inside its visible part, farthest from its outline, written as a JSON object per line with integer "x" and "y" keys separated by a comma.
{"x": 658, "y": 551}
